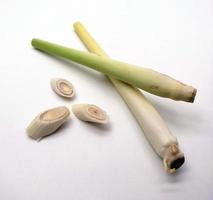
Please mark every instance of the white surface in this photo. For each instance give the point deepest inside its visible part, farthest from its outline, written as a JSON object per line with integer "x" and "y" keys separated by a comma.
{"x": 116, "y": 163}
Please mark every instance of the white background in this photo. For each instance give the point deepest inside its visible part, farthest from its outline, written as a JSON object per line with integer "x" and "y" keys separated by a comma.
{"x": 85, "y": 162}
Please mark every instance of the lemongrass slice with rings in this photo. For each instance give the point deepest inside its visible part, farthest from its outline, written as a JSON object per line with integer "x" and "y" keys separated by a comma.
{"x": 47, "y": 122}
{"x": 62, "y": 87}
{"x": 90, "y": 113}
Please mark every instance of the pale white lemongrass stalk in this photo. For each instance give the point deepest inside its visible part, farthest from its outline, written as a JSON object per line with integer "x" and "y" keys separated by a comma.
{"x": 144, "y": 78}
{"x": 154, "y": 128}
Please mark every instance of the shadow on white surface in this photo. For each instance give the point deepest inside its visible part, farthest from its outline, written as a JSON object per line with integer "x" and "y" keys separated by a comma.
{"x": 97, "y": 129}
{"x": 178, "y": 116}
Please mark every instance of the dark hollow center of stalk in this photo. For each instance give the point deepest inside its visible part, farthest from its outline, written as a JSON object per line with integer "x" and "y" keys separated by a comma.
{"x": 177, "y": 163}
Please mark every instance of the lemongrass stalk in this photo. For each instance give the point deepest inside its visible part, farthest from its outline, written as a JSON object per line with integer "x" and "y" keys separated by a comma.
{"x": 144, "y": 78}
{"x": 155, "y": 129}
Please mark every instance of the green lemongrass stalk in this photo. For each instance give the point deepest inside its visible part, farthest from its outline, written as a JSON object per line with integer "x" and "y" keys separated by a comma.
{"x": 144, "y": 78}
{"x": 154, "y": 128}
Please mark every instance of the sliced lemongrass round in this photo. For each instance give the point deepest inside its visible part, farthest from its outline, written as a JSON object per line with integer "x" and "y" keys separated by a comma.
{"x": 62, "y": 87}
{"x": 90, "y": 113}
{"x": 47, "y": 122}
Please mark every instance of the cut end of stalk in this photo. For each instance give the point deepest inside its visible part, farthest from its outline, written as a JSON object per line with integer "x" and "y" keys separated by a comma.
{"x": 177, "y": 163}
{"x": 173, "y": 159}
{"x": 77, "y": 23}
{"x": 187, "y": 93}
{"x": 33, "y": 42}
{"x": 193, "y": 95}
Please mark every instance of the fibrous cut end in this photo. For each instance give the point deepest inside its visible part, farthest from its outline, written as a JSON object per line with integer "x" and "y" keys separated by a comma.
{"x": 187, "y": 94}
{"x": 193, "y": 95}
{"x": 177, "y": 163}
{"x": 173, "y": 159}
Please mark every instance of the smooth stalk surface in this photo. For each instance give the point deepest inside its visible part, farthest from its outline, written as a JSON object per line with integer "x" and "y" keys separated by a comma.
{"x": 144, "y": 78}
